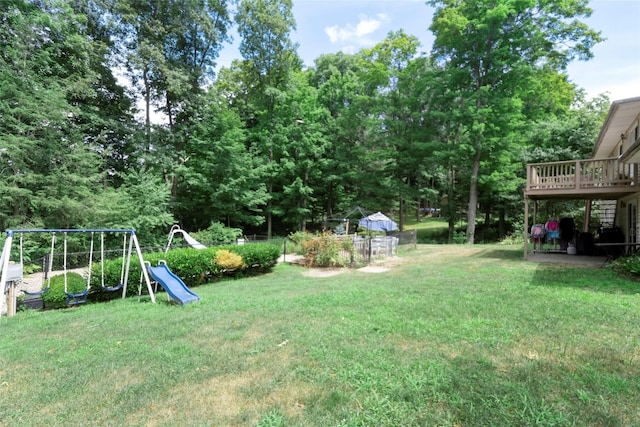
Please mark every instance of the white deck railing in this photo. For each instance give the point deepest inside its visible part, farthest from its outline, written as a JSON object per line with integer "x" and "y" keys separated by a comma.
{"x": 581, "y": 174}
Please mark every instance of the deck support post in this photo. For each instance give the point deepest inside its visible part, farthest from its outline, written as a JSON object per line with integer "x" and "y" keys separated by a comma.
{"x": 587, "y": 215}
{"x": 526, "y": 226}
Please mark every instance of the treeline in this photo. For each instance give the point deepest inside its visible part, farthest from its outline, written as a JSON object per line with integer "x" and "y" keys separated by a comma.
{"x": 268, "y": 145}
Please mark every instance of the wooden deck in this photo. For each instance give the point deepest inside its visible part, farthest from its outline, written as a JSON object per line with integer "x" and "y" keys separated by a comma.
{"x": 582, "y": 179}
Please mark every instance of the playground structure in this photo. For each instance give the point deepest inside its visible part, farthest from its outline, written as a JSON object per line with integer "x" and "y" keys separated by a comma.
{"x": 172, "y": 284}
{"x": 186, "y": 236}
{"x": 12, "y": 274}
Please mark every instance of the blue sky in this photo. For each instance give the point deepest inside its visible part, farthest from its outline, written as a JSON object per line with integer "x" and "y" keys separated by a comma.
{"x": 329, "y": 26}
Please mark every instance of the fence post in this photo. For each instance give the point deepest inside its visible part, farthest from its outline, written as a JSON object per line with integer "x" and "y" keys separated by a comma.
{"x": 352, "y": 258}
{"x": 284, "y": 250}
{"x": 45, "y": 268}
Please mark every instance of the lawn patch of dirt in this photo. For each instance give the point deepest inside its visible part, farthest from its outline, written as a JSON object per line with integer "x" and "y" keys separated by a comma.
{"x": 324, "y": 272}
{"x": 377, "y": 266}
{"x": 373, "y": 269}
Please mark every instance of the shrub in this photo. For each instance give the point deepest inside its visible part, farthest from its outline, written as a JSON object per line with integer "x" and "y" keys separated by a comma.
{"x": 259, "y": 256}
{"x": 217, "y": 233}
{"x": 55, "y": 296}
{"x": 459, "y": 237}
{"x": 325, "y": 251}
{"x": 296, "y": 241}
{"x": 193, "y": 266}
{"x": 228, "y": 260}
{"x": 300, "y": 236}
{"x": 627, "y": 265}
{"x": 512, "y": 239}
{"x": 112, "y": 272}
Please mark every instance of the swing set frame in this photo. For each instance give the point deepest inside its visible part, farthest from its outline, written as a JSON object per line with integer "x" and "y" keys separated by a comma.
{"x": 11, "y": 281}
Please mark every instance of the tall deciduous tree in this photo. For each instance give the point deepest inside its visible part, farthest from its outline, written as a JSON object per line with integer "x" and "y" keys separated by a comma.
{"x": 171, "y": 47}
{"x": 48, "y": 169}
{"x": 302, "y": 155}
{"x": 219, "y": 175}
{"x": 401, "y": 107}
{"x": 341, "y": 90}
{"x": 491, "y": 49}
{"x": 567, "y": 136}
{"x": 106, "y": 111}
{"x": 270, "y": 55}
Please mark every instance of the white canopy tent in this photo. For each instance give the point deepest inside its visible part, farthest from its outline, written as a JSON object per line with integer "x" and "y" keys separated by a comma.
{"x": 378, "y": 222}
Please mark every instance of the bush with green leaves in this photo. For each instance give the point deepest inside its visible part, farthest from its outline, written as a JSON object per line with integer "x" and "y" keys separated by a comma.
{"x": 296, "y": 240}
{"x": 193, "y": 266}
{"x": 327, "y": 250}
{"x": 258, "y": 256}
{"x": 629, "y": 265}
{"x": 217, "y": 233}
{"x": 55, "y": 297}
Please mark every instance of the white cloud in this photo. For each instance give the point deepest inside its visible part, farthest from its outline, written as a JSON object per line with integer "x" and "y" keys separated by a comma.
{"x": 337, "y": 34}
{"x": 369, "y": 25}
{"x": 356, "y": 35}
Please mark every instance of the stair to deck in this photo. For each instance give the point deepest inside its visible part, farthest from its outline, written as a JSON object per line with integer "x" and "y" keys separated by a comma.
{"x": 607, "y": 213}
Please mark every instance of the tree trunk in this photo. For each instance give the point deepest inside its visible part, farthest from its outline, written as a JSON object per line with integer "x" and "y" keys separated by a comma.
{"x": 451, "y": 230}
{"x": 303, "y": 203}
{"x": 473, "y": 198}
{"x": 502, "y": 224}
{"x": 451, "y": 211}
{"x": 147, "y": 105}
{"x": 269, "y": 207}
{"x": 401, "y": 210}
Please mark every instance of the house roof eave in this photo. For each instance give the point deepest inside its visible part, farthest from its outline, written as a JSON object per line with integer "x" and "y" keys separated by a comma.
{"x": 620, "y": 115}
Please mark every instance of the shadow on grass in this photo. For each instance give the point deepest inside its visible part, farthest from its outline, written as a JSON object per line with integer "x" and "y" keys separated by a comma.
{"x": 588, "y": 279}
{"x": 533, "y": 392}
{"x": 437, "y": 236}
{"x": 508, "y": 254}
{"x": 577, "y": 276}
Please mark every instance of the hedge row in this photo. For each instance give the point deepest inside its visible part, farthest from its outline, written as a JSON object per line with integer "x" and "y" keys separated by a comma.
{"x": 195, "y": 267}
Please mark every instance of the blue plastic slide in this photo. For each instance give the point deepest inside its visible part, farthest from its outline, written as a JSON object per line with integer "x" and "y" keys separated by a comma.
{"x": 172, "y": 284}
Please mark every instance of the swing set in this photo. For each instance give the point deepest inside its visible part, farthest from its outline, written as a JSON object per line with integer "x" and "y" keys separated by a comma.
{"x": 11, "y": 274}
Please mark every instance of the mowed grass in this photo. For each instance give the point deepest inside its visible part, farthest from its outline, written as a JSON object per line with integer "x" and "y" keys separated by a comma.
{"x": 428, "y": 230}
{"x": 448, "y": 336}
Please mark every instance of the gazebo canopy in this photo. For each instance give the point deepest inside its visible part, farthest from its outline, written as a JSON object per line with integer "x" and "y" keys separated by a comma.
{"x": 378, "y": 222}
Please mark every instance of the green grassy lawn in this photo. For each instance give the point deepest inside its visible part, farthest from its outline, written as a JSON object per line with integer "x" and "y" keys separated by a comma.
{"x": 448, "y": 335}
{"x": 429, "y": 230}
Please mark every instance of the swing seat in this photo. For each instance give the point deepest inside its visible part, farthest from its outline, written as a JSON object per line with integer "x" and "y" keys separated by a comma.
{"x": 36, "y": 293}
{"x": 76, "y": 299}
{"x": 113, "y": 288}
